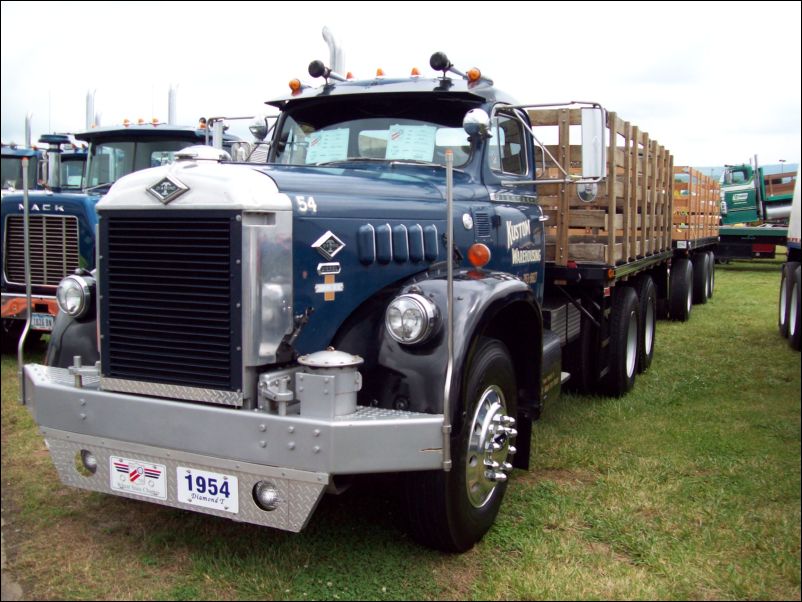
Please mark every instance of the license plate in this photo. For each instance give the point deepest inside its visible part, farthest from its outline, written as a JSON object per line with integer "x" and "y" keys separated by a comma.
{"x": 135, "y": 476}
{"x": 42, "y": 322}
{"x": 207, "y": 489}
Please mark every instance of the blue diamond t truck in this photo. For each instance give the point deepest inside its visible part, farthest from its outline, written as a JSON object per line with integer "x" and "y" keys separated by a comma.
{"x": 417, "y": 268}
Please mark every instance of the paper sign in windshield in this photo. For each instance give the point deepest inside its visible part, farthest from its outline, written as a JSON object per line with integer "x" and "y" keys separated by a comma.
{"x": 327, "y": 145}
{"x": 414, "y": 142}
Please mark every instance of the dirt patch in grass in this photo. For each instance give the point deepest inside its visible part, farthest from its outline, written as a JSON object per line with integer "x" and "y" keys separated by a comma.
{"x": 574, "y": 477}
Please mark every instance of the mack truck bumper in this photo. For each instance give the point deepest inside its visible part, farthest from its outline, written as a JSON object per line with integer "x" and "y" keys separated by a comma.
{"x": 167, "y": 443}
{"x": 43, "y": 310}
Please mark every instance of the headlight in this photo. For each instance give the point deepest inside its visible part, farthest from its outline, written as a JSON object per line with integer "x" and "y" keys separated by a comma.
{"x": 411, "y": 318}
{"x": 74, "y": 295}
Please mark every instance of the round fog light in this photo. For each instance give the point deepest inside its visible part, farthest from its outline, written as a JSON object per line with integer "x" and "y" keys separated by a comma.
{"x": 265, "y": 495}
{"x": 86, "y": 463}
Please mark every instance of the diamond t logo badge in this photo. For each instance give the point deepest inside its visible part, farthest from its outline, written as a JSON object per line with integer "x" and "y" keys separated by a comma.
{"x": 328, "y": 245}
{"x": 167, "y": 189}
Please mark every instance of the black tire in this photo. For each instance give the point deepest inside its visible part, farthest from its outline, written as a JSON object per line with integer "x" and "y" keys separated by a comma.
{"x": 786, "y": 288}
{"x": 647, "y": 309}
{"x": 443, "y": 507}
{"x": 701, "y": 278}
{"x": 680, "y": 290}
{"x": 711, "y": 266}
{"x": 623, "y": 348}
{"x": 794, "y": 310}
{"x": 12, "y": 329}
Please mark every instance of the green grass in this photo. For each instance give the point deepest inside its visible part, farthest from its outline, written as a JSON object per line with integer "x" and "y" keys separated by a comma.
{"x": 687, "y": 488}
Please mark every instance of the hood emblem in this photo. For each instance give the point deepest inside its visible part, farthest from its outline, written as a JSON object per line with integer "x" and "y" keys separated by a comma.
{"x": 328, "y": 245}
{"x": 167, "y": 189}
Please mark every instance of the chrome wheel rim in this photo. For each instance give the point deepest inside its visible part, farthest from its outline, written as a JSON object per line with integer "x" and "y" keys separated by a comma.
{"x": 489, "y": 445}
{"x": 648, "y": 329}
{"x": 632, "y": 343}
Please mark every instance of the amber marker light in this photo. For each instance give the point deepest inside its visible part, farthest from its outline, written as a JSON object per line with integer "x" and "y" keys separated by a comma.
{"x": 379, "y": 72}
{"x": 474, "y": 75}
{"x": 140, "y": 121}
{"x": 126, "y": 122}
{"x": 478, "y": 255}
{"x": 349, "y": 75}
{"x": 415, "y": 72}
{"x": 295, "y": 85}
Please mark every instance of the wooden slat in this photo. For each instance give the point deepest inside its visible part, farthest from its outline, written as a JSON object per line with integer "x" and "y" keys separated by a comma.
{"x": 565, "y": 159}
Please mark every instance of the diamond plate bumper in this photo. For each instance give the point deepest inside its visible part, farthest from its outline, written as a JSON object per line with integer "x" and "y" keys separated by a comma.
{"x": 299, "y": 492}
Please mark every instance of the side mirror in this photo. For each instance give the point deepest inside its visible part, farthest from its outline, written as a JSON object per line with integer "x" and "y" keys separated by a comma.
{"x": 240, "y": 151}
{"x": 259, "y": 128}
{"x": 476, "y": 123}
{"x": 594, "y": 149}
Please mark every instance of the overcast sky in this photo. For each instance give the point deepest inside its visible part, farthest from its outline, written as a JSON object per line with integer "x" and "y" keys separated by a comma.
{"x": 714, "y": 82}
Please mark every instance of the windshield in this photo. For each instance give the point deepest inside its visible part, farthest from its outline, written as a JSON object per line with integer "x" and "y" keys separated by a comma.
{"x": 12, "y": 173}
{"x": 110, "y": 161}
{"x": 72, "y": 171}
{"x": 406, "y": 130}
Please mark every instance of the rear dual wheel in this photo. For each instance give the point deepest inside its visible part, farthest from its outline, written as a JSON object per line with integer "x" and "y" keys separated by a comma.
{"x": 680, "y": 293}
{"x": 794, "y": 313}
{"x": 624, "y": 335}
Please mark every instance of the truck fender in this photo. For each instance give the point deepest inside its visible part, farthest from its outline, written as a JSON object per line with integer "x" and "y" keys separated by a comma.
{"x": 71, "y": 337}
{"x": 412, "y": 377}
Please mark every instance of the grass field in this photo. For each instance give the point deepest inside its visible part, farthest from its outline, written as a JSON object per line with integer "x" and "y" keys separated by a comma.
{"x": 688, "y": 488}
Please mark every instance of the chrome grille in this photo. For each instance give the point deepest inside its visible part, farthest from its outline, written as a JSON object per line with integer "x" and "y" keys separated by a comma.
{"x": 54, "y": 248}
{"x": 171, "y": 310}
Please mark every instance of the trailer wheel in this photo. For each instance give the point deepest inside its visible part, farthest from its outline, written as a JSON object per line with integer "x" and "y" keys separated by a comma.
{"x": 701, "y": 278}
{"x": 794, "y": 313}
{"x": 680, "y": 290}
{"x": 647, "y": 305}
{"x": 711, "y": 265}
{"x": 786, "y": 286}
{"x": 451, "y": 511}
{"x": 624, "y": 329}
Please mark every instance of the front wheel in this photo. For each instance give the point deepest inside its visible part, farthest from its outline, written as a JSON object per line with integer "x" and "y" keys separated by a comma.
{"x": 451, "y": 511}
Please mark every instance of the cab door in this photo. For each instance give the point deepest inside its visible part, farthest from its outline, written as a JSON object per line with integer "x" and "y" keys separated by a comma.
{"x": 508, "y": 172}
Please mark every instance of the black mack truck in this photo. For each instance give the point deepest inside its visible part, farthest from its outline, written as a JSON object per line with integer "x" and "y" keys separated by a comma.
{"x": 400, "y": 288}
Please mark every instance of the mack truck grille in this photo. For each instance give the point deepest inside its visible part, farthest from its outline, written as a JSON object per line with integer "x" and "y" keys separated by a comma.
{"x": 53, "y": 247}
{"x": 171, "y": 305}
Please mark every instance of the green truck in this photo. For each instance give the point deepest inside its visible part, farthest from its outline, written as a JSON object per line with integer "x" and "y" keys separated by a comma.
{"x": 755, "y": 207}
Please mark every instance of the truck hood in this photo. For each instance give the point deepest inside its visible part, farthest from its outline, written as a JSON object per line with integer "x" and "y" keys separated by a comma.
{"x": 415, "y": 186}
{"x": 51, "y": 203}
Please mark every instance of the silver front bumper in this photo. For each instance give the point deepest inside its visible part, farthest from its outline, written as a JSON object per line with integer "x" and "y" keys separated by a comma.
{"x": 302, "y": 453}
{"x": 298, "y": 491}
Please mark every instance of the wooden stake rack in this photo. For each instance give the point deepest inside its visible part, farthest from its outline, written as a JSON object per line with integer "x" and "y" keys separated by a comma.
{"x": 697, "y": 205}
{"x": 631, "y": 217}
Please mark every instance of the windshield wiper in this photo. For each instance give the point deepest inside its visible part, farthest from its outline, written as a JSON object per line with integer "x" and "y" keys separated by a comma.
{"x": 97, "y": 186}
{"x": 378, "y": 160}
{"x": 351, "y": 160}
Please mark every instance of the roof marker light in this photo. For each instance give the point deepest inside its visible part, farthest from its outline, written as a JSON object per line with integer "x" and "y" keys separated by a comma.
{"x": 126, "y": 122}
{"x": 349, "y": 75}
{"x": 474, "y": 75}
{"x": 295, "y": 85}
{"x": 379, "y": 72}
{"x": 140, "y": 121}
{"x": 415, "y": 72}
